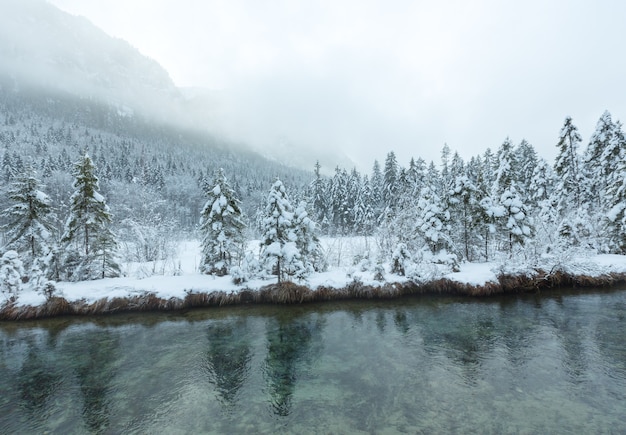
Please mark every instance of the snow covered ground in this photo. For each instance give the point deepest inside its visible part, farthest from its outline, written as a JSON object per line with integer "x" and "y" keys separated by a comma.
{"x": 179, "y": 276}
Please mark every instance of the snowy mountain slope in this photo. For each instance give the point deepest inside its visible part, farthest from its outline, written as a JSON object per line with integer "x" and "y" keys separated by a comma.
{"x": 43, "y": 50}
{"x": 43, "y": 46}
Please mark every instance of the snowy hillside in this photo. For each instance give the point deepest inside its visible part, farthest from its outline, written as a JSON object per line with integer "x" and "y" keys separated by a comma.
{"x": 40, "y": 45}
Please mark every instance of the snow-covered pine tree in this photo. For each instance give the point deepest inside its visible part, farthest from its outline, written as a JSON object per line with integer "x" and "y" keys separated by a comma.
{"x": 616, "y": 195}
{"x": 446, "y": 176}
{"x": 489, "y": 166}
{"x": 541, "y": 195}
{"x": 598, "y": 162}
{"x": 279, "y": 252}
{"x": 339, "y": 201}
{"x": 11, "y": 273}
{"x": 376, "y": 183}
{"x": 489, "y": 212}
{"x": 431, "y": 221}
{"x": 504, "y": 174}
{"x": 30, "y": 218}
{"x": 510, "y": 212}
{"x": 222, "y": 227}
{"x": 87, "y": 228}
{"x": 391, "y": 184}
{"x": 307, "y": 242}
{"x": 515, "y": 220}
{"x": 575, "y": 227}
{"x": 464, "y": 213}
{"x": 526, "y": 158}
{"x": 611, "y": 163}
{"x": 416, "y": 176}
{"x": 319, "y": 195}
{"x": 364, "y": 219}
{"x": 567, "y": 167}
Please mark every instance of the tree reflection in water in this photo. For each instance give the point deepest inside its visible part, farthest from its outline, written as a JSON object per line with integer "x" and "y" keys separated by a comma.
{"x": 227, "y": 362}
{"x": 96, "y": 353}
{"x": 37, "y": 381}
{"x": 291, "y": 344}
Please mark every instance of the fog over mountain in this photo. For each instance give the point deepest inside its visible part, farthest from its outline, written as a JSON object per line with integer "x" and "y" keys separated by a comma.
{"x": 42, "y": 47}
{"x": 365, "y": 77}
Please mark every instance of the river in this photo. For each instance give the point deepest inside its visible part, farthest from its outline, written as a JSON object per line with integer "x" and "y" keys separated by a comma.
{"x": 552, "y": 363}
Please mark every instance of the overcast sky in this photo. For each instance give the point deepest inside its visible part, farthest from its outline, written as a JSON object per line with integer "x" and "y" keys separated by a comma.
{"x": 369, "y": 76}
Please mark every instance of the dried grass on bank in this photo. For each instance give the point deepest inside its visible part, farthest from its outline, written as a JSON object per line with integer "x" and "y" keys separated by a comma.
{"x": 290, "y": 293}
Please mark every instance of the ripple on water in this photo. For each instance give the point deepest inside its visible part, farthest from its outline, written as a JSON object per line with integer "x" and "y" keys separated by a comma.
{"x": 431, "y": 365}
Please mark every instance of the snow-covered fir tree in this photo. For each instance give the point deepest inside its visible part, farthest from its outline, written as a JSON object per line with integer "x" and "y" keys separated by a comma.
{"x": 11, "y": 273}
{"x": 615, "y": 197}
{"x": 432, "y": 221}
{"x": 567, "y": 166}
{"x": 598, "y": 161}
{"x": 543, "y": 198}
{"x": 526, "y": 159}
{"x": 376, "y": 183}
{"x": 307, "y": 241}
{"x": 509, "y": 211}
{"x": 222, "y": 228}
{"x": 318, "y": 197}
{"x": 90, "y": 244}
{"x": 390, "y": 182}
{"x": 464, "y": 210}
{"x": 30, "y": 218}
{"x": 515, "y": 219}
{"x": 279, "y": 250}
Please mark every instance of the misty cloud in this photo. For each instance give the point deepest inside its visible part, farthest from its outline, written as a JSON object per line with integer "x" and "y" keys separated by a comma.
{"x": 365, "y": 77}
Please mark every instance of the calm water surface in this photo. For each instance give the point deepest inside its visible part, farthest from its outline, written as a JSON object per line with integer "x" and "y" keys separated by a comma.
{"x": 535, "y": 364}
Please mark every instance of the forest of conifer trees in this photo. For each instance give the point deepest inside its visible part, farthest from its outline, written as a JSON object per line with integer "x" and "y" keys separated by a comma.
{"x": 69, "y": 216}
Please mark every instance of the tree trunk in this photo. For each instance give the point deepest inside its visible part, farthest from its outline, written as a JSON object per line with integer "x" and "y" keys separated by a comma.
{"x": 86, "y": 240}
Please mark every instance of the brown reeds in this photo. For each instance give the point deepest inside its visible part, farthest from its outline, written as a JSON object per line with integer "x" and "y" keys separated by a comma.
{"x": 291, "y": 293}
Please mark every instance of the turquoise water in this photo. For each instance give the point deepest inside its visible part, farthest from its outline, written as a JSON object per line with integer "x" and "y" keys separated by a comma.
{"x": 533, "y": 364}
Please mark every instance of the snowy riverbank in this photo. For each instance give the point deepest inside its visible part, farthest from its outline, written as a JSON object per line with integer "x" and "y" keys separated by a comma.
{"x": 185, "y": 287}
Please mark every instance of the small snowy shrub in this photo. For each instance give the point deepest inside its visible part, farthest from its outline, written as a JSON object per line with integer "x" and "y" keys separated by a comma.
{"x": 38, "y": 281}
{"x": 11, "y": 272}
{"x": 362, "y": 263}
{"x": 250, "y": 268}
{"x": 401, "y": 260}
{"x": 379, "y": 272}
{"x": 238, "y": 275}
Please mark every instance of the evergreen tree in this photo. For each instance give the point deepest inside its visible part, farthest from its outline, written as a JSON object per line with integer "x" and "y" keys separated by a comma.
{"x": 431, "y": 221}
{"x": 464, "y": 211}
{"x": 447, "y": 179}
{"x": 599, "y": 160}
{"x": 364, "y": 215}
{"x": 279, "y": 251}
{"x": 319, "y": 196}
{"x": 11, "y": 273}
{"x": 390, "y": 182}
{"x": 567, "y": 167}
{"x": 616, "y": 195}
{"x": 307, "y": 242}
{"x": 376, "y": 183}
{"x": 221, "y": 226}
{"x": 489, "y": 167}
{"x": 510, "y": 212}
{"x": 339, "y": 201}
{"x": 29, "y": 219}
{"x": 504, "y": 175}
{"x": 526, "y": 158}
{"x": 515, "y": 219}
{"x": 416, "y": 176}
{"x": 544, "y": 200}
{"x": 87, "y": 228}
